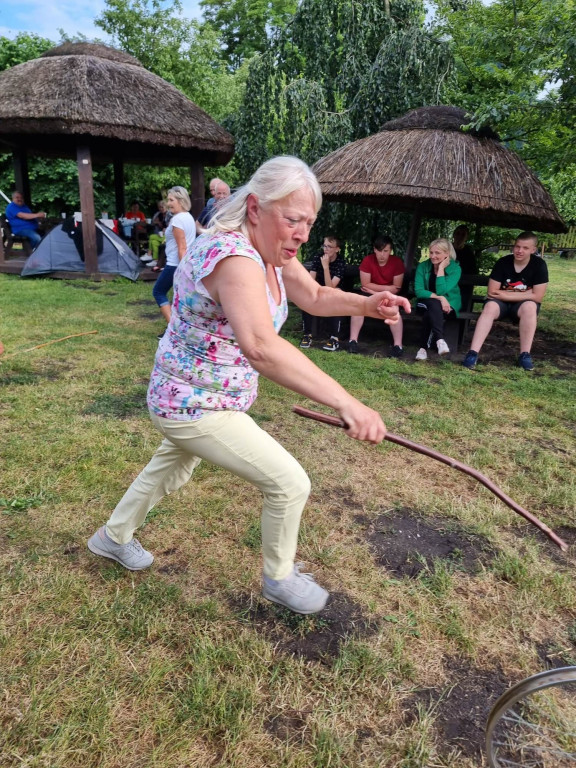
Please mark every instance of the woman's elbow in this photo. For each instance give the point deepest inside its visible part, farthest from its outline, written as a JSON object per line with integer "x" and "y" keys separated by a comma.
{"x": 259, "y": 350}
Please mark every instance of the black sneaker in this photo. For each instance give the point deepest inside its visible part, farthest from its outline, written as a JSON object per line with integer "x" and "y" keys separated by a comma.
{"x": 332, "y": 345}
{"x": 525, "y": 361}
{"x": 396, "y": 351}
{"x": 353, "y": 347}
{"x": 306, "y": 342}
{"x": 470, "y": 360}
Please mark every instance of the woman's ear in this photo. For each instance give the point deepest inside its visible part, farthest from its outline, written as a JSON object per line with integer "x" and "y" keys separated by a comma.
{"x": 252, "y": 209}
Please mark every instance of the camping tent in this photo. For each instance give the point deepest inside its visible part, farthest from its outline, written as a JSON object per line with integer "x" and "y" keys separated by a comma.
{"x": 62, "y": 251}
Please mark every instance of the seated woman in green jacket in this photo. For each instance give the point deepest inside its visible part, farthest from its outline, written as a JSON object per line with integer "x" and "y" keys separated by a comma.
{"x": 437, "y": 294}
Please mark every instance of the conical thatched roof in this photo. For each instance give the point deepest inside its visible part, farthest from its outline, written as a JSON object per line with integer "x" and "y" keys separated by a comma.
{"x": 89, "y": 90}
{"x": 424, "y": 161}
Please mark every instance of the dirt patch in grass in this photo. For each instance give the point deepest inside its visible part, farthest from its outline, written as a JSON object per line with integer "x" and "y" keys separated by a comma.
{"x": 145, "y": 302}
{"x": 407, "y": 545}
{"x": 338, "y": 498}
{"x": 288, "y": 726}
{"x": 553, "y": 656}
{"x": 501, "y": 346}
{"x": 314, "y": 638}
{"x": 461, "y": 706}
{"x": 566, "y": 532}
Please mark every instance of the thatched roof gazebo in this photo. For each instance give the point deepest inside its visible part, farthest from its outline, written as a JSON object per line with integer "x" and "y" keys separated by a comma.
{"x": 95, "y": 103}
{"x": 425, "y": 163}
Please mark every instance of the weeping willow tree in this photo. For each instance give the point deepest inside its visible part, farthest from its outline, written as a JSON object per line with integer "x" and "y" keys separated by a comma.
{"x": 335, "y": 74}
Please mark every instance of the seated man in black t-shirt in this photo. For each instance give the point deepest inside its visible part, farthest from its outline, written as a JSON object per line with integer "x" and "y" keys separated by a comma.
{"x": 516, "y": 287}
{"x": 327, "y": 269}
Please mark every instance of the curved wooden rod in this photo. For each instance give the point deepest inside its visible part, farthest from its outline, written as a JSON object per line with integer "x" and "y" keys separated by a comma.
{"x": 336, "y": 422}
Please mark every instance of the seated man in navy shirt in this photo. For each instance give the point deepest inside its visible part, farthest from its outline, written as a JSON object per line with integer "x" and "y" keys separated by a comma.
{"x": 516, "y": 287}
{"x": 22, "y": 221}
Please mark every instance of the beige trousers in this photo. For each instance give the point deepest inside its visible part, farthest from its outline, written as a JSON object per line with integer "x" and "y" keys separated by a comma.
{"x": 230, "y": 439}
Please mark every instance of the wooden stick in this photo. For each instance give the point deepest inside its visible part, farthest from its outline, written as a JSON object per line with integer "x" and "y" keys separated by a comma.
{"x": 335, "y": 422}
{"x": 47, "y": 343}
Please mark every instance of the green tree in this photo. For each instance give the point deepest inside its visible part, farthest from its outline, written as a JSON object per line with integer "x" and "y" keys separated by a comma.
{"x": 182, "y": 51}
{"x": 23, "y": 47}
{"x": 244, "y": 25}
{"x": 338, "y": 71}
{"x": 515, "y": 62}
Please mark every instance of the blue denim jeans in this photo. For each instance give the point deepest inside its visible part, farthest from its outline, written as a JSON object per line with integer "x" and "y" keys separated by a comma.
{"x": 162, "y": 286}
{"x": 29, "y": 234}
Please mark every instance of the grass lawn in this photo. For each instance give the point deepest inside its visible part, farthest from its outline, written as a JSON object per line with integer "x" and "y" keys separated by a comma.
{"x": 441, "y": 596}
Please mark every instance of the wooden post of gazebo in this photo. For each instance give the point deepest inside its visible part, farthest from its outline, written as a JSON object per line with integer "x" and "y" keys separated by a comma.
{"x": 21, "y": 177}
{"x": 86, "y": 186}
{"x": 196, "y": 189}
{"x": 412, "y": 242}
{"x": 119, "y": 187}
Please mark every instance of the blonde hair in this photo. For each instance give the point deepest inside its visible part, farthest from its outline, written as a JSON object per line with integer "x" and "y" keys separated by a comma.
{"x": 181, "y": 194}
{"x": 445, "y": 245}
{"x": 274, "y": 180}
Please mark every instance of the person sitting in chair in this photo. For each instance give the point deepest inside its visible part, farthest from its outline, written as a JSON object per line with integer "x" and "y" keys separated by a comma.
{"x": 380, "y": 271}
{"x": 157, "y": 238}
{"x": 23, "y": 222}
{"x": 328, "y": 270}
{"x": 438, "y": 295}
{"x": 516, "y": 287}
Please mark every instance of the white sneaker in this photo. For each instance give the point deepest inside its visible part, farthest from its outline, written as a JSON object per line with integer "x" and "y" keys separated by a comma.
{"x": 421, "y": 354}
{"x": 298, "y": 592}
{"x": 146, "y": 258}
{"x": 132, "y": 556}
{"x": 152, "y": 263}
{"x": 443, "y": 348}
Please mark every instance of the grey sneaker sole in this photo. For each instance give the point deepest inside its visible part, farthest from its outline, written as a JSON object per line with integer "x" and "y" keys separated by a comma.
{"x": 95, "y": 549}
{"x": 301, "y": 611}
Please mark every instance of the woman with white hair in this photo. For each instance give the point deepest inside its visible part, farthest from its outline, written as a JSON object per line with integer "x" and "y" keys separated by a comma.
{"x": 180, "y": 234}
{"x": 230, "y": 300}
{"x": 437, "y": 294}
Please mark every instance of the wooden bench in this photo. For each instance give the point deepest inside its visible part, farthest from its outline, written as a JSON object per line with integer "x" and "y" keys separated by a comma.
{"x": 455, "y": 329}
{"x": 8, "y": 240}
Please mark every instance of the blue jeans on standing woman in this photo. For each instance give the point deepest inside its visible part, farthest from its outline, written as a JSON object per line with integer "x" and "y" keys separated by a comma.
{"x": 162, "y": 285}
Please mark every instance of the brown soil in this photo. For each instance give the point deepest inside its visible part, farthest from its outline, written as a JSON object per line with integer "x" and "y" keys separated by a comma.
{"x": 407, "y": 545}
{"x": 461, "y": 707}
{"x": 315, "y": 638}
{"x": 501, "y": 346}
{"x": 553, "y": 656}
{"x": 566, "y": 532}
{"x": 288, "y": 726}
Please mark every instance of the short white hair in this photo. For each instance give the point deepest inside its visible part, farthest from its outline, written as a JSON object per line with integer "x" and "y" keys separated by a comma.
{"x": 274, "y": 180}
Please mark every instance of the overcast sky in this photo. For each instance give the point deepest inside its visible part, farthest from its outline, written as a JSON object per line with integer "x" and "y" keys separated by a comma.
{"x": 47, "y": 17}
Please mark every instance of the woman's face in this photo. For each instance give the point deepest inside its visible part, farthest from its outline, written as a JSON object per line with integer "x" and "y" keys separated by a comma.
{"x": 383, "y": 255}
{"x": 278, "y": 230}
{"x": 437, "y": 254}
{"x": 174, "y": 205}
{"x": 161, "y": 207}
